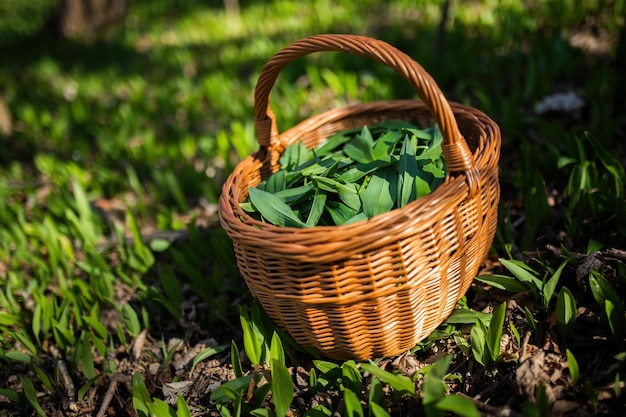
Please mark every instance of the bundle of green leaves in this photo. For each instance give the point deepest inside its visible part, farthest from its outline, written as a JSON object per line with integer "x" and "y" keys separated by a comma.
{"x": 354, "y": 175}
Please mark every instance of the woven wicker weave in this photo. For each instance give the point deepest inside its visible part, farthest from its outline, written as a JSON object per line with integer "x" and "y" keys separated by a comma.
{"x": 379, "y": 286}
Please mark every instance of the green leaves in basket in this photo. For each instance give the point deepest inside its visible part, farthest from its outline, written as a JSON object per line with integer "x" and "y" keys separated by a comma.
{"x": 273, "y": 209}
{"x": 407, "y": 173}
{"x": 381, "y": 192}
{"x": 361, "y": 147}
{"x": 355, "y": 175}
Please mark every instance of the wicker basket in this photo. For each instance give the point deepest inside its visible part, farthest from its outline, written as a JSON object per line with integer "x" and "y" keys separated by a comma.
{"x": 379, "y": 286}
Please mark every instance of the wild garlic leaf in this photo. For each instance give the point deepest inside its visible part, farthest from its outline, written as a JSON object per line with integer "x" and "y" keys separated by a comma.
{"x": 294, "y": 155}
{"x": 436, "y": 171}
{"x": 422, "y": 187}
{"x": 357, "y": 153}
{"x": 360, "y": 148}
{"x": 276, "y": 182}
{"x": 286, "y": 158}
{"x": 355, "y": 174}
{"x": 366, "y": 137}
{"x": 317, "y": 208}
{"x": 407, "y": 172}
{"x": 358, "y": 171}
{"x": 319, "y": 167}
{"x": 304, "y": 154}
{"x": 332, "y": 143}
{"x": 386, "y": 144}
{"x": 339, "y": 212}
{"x": 418, "y": 133}
{"x": 273, "y": 209}
{"x": 356, "y": 218}
{"x": 379, "y": 195}
{"x": 433, "y": 151}
{"x": 295, "y": 194}
{"x": 347, "y": 192}
{"x": 331, "y": 169}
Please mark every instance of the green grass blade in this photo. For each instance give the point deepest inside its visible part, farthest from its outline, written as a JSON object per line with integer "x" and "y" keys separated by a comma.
{"x": 252, "y": 338}
{"x": 550, "y": 286}
{"x": 478, "y": 340}
{"x": 572, "y": 365}
{"x": 502, "y": 282}
{"x": 182, "y": 409}
{"x": 522, "y": 274}
{"x": 351, "y": 376}
{"x": 31, "y": 395}
{"x": 378, "y": 411}
{"x": 131, "y": 320}
{"x": 464, "y": 316}
{"x": 277, "y": 352}
{"x": 565, "y": 312}
{"x": 458, "y": 405}
{"x": 399, "y": 383}
{"x": 494, "y": 335}
{"x": 282, "y": 388}
{"x": 352, "y": 404}
{"x": 205, "y": 354}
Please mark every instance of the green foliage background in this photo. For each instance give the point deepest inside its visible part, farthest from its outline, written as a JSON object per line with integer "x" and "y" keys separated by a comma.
{"x": 23, "y": 18}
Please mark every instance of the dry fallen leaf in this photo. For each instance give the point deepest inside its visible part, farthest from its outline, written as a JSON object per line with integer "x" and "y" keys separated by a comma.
{"x": 407, "y": 363}
{"x": 172, "y": 390}
{"x": 542, "y": 367}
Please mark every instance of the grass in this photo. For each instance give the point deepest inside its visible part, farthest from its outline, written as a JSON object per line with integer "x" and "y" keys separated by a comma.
{"x": 117, "y": 287}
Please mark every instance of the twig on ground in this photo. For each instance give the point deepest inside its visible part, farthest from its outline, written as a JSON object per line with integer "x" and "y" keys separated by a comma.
{"x": 522, "y": 356}
{"x": 615, "y": 253}
{"x": 69, "y": 401}
{"x": 108, "y": 396}
{"x": 493, "y": 386}
{"x": 608, "y": 252}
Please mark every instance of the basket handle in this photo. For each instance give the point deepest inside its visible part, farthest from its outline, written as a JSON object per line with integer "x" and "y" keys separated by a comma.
{"x": 456, "y": 152}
